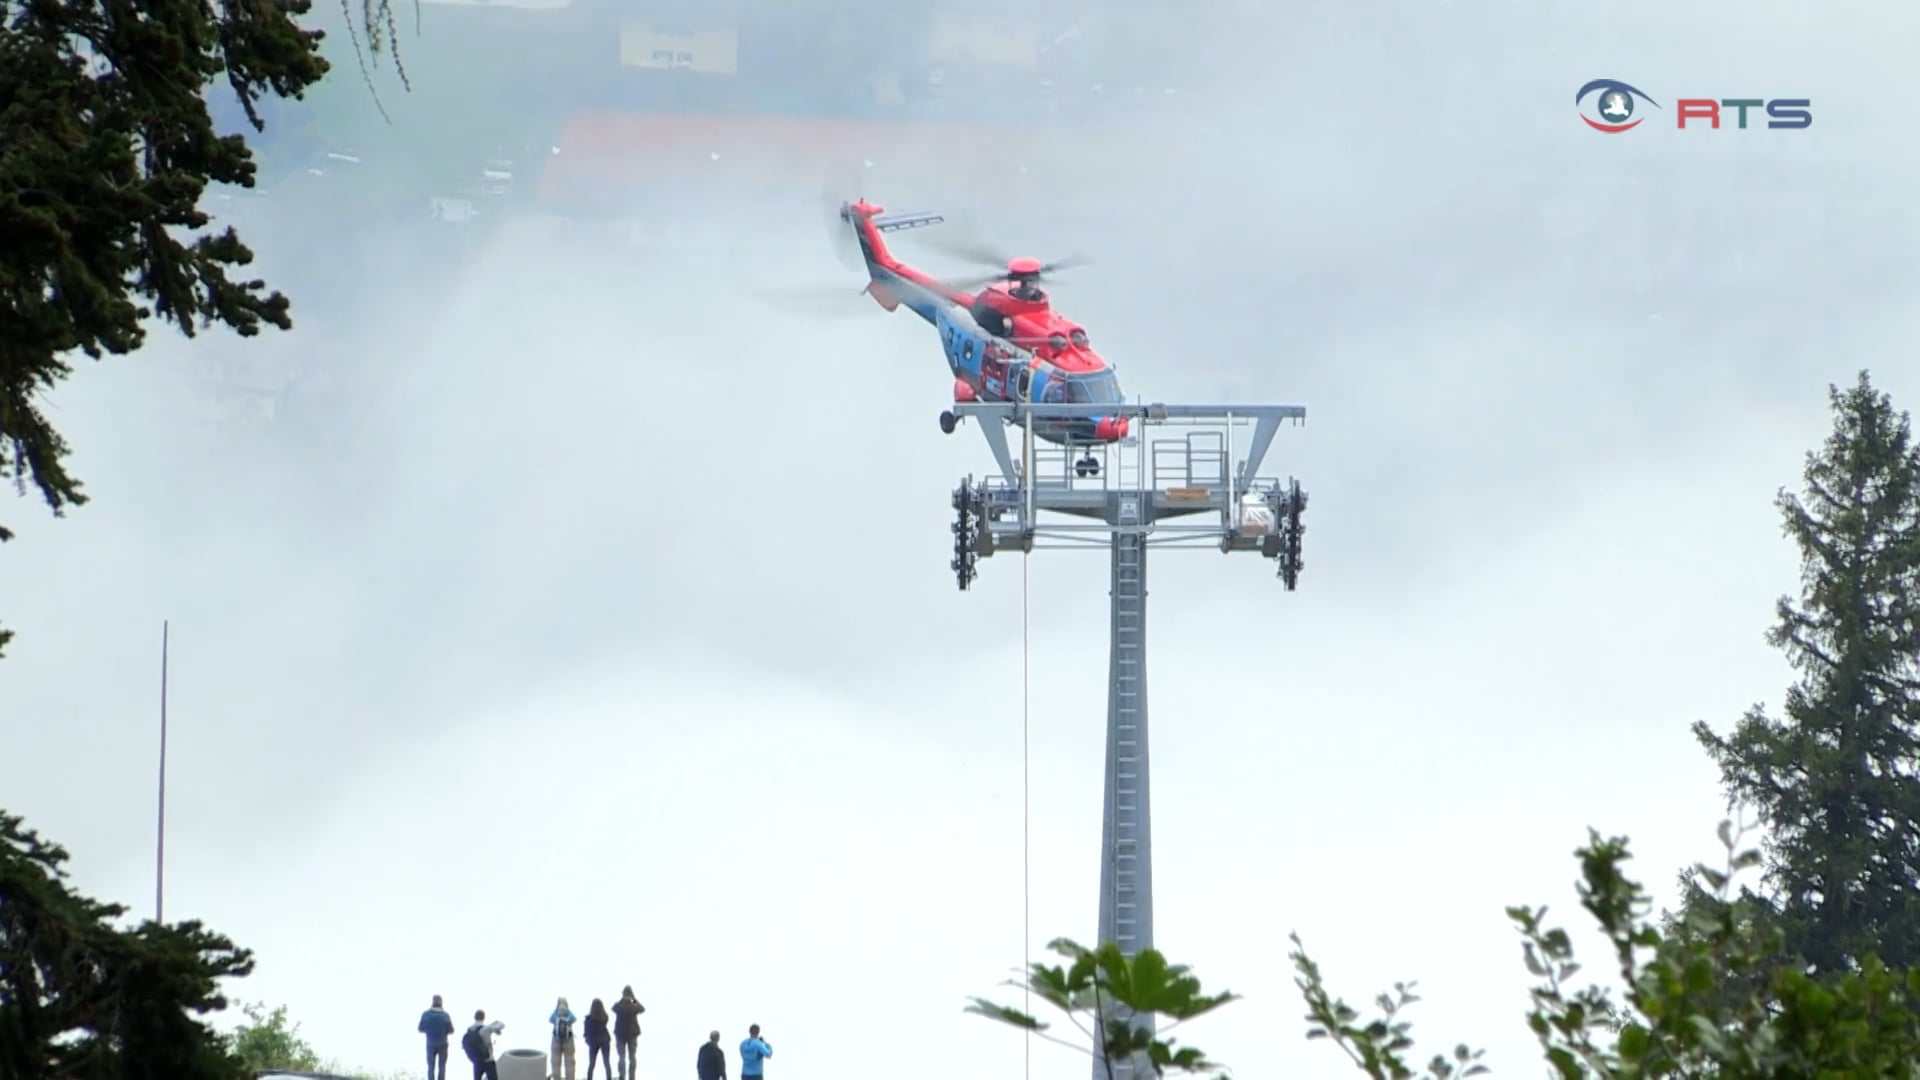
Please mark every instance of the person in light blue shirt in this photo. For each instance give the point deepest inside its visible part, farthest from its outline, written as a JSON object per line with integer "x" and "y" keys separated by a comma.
{"x": 562, "y": 1021}
{"x": 754, "y": 1053}
{"x": 437, "y": 1026}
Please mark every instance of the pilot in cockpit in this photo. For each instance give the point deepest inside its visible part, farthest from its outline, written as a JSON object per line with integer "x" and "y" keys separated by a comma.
{"x": 1022, "y": 285}
{"x": 1026, "y": 286}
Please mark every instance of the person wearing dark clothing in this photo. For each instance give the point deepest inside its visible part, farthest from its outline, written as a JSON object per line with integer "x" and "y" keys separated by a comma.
{"x": 437, "y": 1026}
{"x": 626, "y": 1030}
{"x": 1023, "y": 286}
{"x": 595, "y": 1034}
{"x": 479, "y": 1043}
{"x": 713, "y": 1060}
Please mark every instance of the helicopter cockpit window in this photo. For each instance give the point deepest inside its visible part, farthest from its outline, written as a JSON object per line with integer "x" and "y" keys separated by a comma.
{"x": 1098, "y": 388}
{"x": 1079, "y": 338}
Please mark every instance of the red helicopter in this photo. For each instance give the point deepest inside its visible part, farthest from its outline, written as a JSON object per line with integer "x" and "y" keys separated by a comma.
{"x": 1003, "y": 343}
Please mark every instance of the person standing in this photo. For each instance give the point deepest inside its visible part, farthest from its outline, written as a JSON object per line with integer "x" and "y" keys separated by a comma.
{"x": 626, "y": 1029}
{"x": 754, "y": 1052}
{"x": 437, "y": 1026}
{"x": 713, "y": 1060}
{"x": 595, "y": 1034}
{"x": 479, "y": 1046}
{"x": 562, "y": 1021}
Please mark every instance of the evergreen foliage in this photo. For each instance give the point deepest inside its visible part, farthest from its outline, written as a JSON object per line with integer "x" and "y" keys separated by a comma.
{"x": 1816, "y": 971}
{"x": 1833, "y": 778}
{"x": 84, "y": 997}
{"x": 106, "y": 145}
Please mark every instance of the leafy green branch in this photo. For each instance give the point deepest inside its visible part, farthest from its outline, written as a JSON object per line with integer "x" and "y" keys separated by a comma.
{"x": 1707, "y": 997}
{"x": 1125, "y": 1008}
{"x": 1376, "y": 1045}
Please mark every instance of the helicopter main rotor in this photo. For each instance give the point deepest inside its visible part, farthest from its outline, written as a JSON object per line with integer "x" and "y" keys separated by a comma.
{"x": 1006, "y": 267}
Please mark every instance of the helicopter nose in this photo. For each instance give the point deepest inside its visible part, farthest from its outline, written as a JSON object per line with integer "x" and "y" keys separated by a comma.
{"x": 1111, "y": 428}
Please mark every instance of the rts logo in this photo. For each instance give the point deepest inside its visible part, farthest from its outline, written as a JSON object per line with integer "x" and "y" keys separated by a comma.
{"x": 1614, "y": 102}
{"x": 1616, "y": 106}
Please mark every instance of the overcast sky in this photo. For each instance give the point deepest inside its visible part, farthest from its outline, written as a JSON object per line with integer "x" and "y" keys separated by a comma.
{"x": 618, "y": 644}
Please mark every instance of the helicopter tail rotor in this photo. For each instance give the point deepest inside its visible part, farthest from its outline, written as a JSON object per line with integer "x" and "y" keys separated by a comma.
{"x": 842, "y": 183}
{"x": 841, "y": 187}
{"x": 842, "y": 236}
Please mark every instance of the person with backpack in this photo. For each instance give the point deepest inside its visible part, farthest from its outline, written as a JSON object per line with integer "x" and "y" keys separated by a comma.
{"x": 597, "y": 1038}
{"x": 562, "y": 1021}
{"x": 754, "y": 1052}
{"x": 437, "y": 1026}
{"x": 478, "y": 1043}
{"x": 626, "y": 1029}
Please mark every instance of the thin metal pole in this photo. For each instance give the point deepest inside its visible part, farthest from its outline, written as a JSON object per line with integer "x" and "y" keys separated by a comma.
{"x": 160, "y": 840}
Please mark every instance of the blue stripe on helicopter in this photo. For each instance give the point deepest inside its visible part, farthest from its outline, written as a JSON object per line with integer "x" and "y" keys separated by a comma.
{"x": 912, "y": 295}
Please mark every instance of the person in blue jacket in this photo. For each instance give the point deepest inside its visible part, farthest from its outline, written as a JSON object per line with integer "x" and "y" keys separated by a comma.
{"x": 437, "y": 1026}
{"x": 754, "y": 1053}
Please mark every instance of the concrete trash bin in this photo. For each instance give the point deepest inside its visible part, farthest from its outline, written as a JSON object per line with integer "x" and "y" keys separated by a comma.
{"x": 523, "y": 1065}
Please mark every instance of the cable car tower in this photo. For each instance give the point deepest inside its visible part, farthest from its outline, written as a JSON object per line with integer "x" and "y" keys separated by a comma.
{"x": 1174, "y": 481}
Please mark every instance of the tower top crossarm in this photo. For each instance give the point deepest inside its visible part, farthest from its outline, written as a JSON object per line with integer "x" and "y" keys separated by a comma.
{"x": 1172, "y": 474}
{"x": 1266, "y": 420}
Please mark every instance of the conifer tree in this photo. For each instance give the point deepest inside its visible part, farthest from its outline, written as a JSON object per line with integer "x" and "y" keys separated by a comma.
{"x": 1835, "y": 778}
{"x": 81, "y": 996}
{"x": 106, "y": 145}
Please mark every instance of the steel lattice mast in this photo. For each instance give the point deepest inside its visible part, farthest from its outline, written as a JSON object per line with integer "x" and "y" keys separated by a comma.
{"x": 1136, "y": 499}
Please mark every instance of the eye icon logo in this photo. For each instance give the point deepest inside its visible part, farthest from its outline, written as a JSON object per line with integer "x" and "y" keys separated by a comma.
{"x": 1613, "y": 104}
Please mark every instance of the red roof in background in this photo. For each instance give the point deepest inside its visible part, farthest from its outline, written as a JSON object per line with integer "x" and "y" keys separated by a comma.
{"x": 615, "y": 149}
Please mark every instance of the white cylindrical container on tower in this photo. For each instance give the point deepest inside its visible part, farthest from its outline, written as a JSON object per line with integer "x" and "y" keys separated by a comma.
{"x": 523, "y": 1065}
{"x": 1256, "y": 517}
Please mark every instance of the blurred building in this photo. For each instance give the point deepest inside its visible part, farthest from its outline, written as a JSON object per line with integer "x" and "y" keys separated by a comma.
{"x": 602, "y": 98}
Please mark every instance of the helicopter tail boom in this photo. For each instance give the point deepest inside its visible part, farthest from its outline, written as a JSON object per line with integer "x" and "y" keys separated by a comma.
{"x": 893, "y": 283}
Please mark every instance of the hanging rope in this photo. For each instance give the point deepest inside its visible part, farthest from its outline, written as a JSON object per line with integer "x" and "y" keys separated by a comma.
{"x": 1026, "y": 816}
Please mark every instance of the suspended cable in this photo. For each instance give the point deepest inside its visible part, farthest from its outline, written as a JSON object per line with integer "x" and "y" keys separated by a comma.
{"x": 1026, "y": 816}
